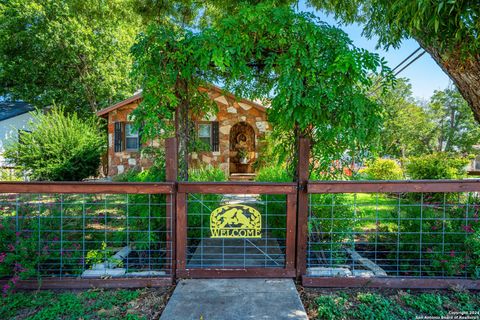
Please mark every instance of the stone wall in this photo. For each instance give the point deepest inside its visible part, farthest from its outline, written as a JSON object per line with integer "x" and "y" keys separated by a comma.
{"x": 230, "y": 113}
{"x": 120, "y": 162}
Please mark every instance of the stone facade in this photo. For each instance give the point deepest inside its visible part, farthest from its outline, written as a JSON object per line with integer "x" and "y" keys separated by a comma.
{"x": 231, "y": 112}
{"x": 120, "y": 162}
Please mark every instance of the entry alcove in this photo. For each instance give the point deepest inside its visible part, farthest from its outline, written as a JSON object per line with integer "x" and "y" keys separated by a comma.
{"x": 242, "y": 142}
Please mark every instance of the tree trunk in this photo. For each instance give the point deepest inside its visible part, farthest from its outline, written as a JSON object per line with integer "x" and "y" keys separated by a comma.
{"x": 464, "y": 72}
{"x": 181, "y": 129}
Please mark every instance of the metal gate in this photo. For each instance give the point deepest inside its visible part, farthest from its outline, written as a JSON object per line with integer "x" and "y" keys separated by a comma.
{"x": 236, "y": 229}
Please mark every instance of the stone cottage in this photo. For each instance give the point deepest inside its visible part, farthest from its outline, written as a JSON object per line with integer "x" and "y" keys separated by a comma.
{"x": 234, "y": 136}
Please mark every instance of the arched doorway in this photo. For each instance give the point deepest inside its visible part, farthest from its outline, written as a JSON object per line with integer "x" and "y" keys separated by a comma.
{"x": 242, "y": 148}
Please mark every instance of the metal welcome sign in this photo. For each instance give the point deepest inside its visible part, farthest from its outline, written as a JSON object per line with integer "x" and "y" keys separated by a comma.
{"x": 236, "y": 221}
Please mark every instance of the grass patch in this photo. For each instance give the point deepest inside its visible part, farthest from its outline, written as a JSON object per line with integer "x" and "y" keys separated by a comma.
{"x": 386, "y": 304}
{"x": 91, "y": 304}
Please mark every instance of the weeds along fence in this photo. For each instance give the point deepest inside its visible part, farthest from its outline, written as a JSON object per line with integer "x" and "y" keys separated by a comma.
{"x": 392, "y": 230}
{"x": 80, "y": 234}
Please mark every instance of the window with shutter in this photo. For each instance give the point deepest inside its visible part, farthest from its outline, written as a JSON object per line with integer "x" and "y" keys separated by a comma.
{"x": 118, "y": 143}
{"x": 205, "y": 133}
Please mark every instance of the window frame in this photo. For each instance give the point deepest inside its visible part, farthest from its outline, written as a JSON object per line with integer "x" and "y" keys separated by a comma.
{"x": 131, "y": 136}
{"x": 210, "y": 136}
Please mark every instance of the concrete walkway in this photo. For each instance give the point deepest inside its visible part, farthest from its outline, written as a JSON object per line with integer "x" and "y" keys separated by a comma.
{"x": 234, "y": 299}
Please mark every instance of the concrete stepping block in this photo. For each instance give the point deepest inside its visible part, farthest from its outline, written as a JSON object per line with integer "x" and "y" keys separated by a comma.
{"x": 235, "y": 299}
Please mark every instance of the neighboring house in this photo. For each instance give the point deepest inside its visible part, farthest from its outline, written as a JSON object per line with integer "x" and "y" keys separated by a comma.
{"x": 14, "y": 118}
{"x": 234, "y": 136}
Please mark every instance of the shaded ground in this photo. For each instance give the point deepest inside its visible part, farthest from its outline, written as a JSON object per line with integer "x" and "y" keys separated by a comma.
{"x": 389, "y": 304}
{"x": 319, "y": 303}
{"x": 91, "y": 304}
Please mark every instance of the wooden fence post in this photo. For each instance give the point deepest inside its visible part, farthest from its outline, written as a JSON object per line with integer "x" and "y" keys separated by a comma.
{"x": 303, "y": 168}
{"x": 171, "y": 173}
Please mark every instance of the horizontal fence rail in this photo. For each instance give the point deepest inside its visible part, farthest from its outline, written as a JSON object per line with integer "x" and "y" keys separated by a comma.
{"x": 387, "y": 230}
{"x": 418, "y": 234}
{"x": 79, "y": 234}
{"x": 237, "y": 187}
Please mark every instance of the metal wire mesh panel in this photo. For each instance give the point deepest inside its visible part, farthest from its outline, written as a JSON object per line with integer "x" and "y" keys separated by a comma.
{"x": 221, "y": 231}
{"x": 392, "y": 234}
{"x": 86, "y": 235}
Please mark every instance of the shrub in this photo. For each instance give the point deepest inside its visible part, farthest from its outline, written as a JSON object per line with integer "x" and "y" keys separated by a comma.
{"x": 473, "y": 249}
{"x": 436, "y": 166}
{"x": 383, "y": 169}
{"x": 201, "y": 205}
{"x": 150, "y": 175}
{"x": 59, "y": 147}
{"x": 273, "y": 174}
{"x": 207, "y": 173}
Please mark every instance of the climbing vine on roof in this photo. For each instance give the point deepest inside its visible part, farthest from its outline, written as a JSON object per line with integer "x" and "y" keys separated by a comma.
{"x": 314, "y": 79}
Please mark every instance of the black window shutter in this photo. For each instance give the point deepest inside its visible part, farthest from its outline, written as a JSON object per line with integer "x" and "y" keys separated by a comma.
{"x": 215, "y": 136}
{"x": 118, "y": 136}
{"x": 140, "y": 134}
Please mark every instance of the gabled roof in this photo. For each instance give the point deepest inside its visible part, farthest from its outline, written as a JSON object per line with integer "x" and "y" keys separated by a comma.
{"x": 10, "y": 109}
{"x": 138, "y": 96}
{"x": 104, "y": 112}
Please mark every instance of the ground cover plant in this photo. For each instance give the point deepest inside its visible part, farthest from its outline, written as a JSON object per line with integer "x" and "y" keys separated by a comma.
{"x": 92, "y": 304}
{"x": 336, "y": 304}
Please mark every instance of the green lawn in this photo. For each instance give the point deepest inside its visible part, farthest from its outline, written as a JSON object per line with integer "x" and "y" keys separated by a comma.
{"x": 91, "y": 304}
{"x": 388, "y": 304}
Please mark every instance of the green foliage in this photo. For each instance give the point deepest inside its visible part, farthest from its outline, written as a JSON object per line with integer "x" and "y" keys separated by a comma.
{"x": 91, "y": 304}
{"x": 388, "y": 304}
{"x": 436, "y": 166}
{"x": 150, "y": 175}
{"x": 73, "y": 53}
{"x": 383, "y": 169}
{"x": 207, "y": 173}
{"x": 268, "y": 153}
{"x": 331, "y": 225}
{"x": 7, "y": 174}
{"x": 455, "y": 127}
{"x": 447, "y": 25}
{"x": 361, "y": 305}
{"x": 258, "y": 60}
{"x": 448, "y": 30}
{"x": 473, "y": 248}
{"x": 427, "y": 303}
{"x": 171, "y": 64}
{"x": 444, "y": 124}
{"x": 18, "y": 252}
{"x": 273, "y": 174}
{"x": 407, "y": 128}
{"x": 201, "y": 205}
{"x": 59, "y": 147}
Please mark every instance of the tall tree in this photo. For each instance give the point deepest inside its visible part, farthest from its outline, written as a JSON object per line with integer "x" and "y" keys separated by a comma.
{"x": 412, "y": 128}
{"x": 455, "y": 126}
{"x": 316, "y": 85}
{"x": 171, "y": 64}
{"x": 73, "y": 53}
{"x": 407, "y": 129}
{"x": 447, "y": 30}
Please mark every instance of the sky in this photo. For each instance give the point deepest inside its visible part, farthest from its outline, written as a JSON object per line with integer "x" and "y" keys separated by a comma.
{"x": 424, "y": 74}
